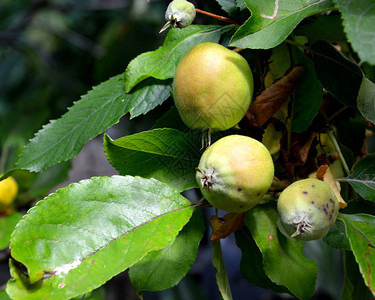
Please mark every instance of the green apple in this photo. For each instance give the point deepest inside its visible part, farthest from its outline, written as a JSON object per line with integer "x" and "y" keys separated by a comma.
{"x": 179, "y": 13}
{"x": 307, "y": 209}
{"x": 235, "y": 172}
{"x": 212, "y": 87}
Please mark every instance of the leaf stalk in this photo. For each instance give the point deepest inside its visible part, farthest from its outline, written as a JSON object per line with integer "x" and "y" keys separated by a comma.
{"x": 333, "y": 139}
{"x": 221, "y": 18}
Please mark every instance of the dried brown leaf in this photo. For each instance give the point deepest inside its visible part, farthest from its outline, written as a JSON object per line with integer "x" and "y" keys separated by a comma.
{"x": 325, "y": 174}
{"x": 272, "y": 98}
{"x": 223, "y": 227}
{"x": 298, "y": 153}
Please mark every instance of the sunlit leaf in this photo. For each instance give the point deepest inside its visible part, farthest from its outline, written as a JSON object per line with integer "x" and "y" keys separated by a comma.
{"x": 86, "y": 233}
{"x": 7, "y": 225}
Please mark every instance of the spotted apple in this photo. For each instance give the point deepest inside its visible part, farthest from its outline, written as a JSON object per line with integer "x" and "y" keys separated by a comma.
{"x": 235, "y": 172}
{"x": 307, "y": 209}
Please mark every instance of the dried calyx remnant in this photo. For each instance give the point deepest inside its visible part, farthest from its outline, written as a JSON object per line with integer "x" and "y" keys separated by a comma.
{"x": 206, "y": 179}
{"x": 302, "y": 227}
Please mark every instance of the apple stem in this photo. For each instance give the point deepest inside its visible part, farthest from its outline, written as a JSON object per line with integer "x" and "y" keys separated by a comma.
{"x": 237, "y": 50}
{"x": 333, "y": 139}
{"x": 221, "y": 18}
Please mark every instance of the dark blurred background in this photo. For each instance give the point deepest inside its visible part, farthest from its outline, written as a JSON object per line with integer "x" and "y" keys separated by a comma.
{"x": 51, "y": 53}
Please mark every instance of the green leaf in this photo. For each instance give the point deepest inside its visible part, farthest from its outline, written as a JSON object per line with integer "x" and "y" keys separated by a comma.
{"x": 283, "y": 258}
{"x": 336, "y": 237}
{"x": 98, "y": 294}
{"x": 99, "y": 109}
{"x": 354, "y": 287}
{"x": 279, "y": 62}
{"x": 323, "y": 27}
{"x": 221, "y": 273}
{"x": 359, "y": 20}
{"x": 360, "y": 230}
{"x": 307, "y": 95}
{"x": 88, "y": 232}
{"x": 7, "y": 225}
{"x": 251, "y": 265}
{"x": 4, "y": 295}
{"x": 166, "y": 154}
{"x": 164, "y": 268}
{"x": 329, "y": 262}
{"x": 272, "y": 21}
{"x": 362, "y": 178}
{"x": 366, "y": 99}
{"x": 241, "y": 4}
{"x": 339, "y": 76}
{"x": 369, "y": 71}
{"x": 229, "y": 6}
{"x": 162, "y": 63}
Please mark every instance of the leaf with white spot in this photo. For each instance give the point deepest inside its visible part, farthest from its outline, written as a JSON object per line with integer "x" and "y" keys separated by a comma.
{"x": 272, "y": 21}
{"x": 76, "y": 239}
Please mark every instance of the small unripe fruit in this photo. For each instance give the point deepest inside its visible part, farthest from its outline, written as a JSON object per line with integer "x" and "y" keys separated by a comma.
{"x": 235, "y": 173}
{"x": 8, "y": 191}
{"x": 307, "y": 209}
{"x": 213, "y": 87}
{"x": 179, "y": 13}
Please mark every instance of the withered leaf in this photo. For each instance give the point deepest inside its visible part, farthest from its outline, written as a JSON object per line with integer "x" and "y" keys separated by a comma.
{"x": 325, "y": 174}
{"x": 298, "y": 153}
{"x": 272, "y": 98}
{"x": 223, "y": 227}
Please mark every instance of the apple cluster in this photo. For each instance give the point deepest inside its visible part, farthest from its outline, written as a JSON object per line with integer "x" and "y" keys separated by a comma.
{"x": 212, "y": 90}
